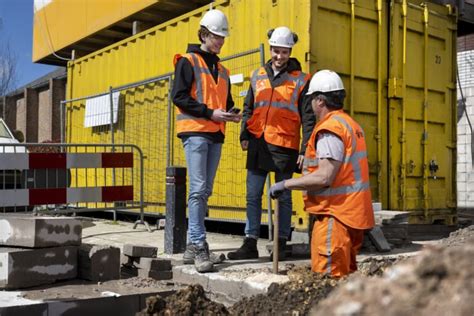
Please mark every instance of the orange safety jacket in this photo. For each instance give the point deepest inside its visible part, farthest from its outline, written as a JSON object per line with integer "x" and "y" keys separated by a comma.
{"x": 348, "y": 198}
{"x": 275, "y": 113}
{"x": 205, "y": 90}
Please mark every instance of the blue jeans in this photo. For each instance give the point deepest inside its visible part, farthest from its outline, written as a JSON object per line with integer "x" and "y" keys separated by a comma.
{"x": 255, "y": 184}
{"x": 202, "y": 159}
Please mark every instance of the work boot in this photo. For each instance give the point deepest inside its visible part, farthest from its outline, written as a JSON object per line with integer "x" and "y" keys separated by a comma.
{"x": 247, "y": 251}
{"x": 202, "y": 262}
{"x": 190, "y": 254}
{"x": 281, "y": 250}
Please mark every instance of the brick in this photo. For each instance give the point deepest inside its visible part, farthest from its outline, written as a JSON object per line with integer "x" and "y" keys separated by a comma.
{"x": 153, "y": 264}
{"x": 21, "y": 268}
{"x": 39, "y": 232}
{"x": 140, "y": 251}
{"x": 99, "y": 263}
{"x": 157, "y": 275}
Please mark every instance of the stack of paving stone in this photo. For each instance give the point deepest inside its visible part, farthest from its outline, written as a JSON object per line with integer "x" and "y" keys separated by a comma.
{"x": 142, "y": 261}
{"x": 99, "y": 262}
{"x": 37, "y": 250}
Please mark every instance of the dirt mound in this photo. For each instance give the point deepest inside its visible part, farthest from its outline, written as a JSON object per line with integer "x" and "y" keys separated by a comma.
{"x": 459, "y": 236}
{"x": 440, "y": 281}
{"x": 292, "y": 298}
{"x": 189, "y": 301}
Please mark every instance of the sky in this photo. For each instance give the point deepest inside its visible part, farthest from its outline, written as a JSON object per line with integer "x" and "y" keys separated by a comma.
{"x": 17, "y": 30}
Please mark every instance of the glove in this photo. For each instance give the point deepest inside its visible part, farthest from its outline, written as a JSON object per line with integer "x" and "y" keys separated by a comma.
{"x": 277, "y": 189}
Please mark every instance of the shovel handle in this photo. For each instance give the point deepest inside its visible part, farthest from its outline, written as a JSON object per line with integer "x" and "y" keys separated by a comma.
{"x": 276, "y": 219}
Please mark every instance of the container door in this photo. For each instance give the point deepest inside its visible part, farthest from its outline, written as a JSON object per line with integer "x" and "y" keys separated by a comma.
{"x": 422, "y": 113}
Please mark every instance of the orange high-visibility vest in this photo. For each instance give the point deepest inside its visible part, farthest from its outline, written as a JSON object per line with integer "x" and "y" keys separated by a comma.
{"x": 348, "y": 198}
{"x": 275, "y": 113}
{"x": 204, "y": 90}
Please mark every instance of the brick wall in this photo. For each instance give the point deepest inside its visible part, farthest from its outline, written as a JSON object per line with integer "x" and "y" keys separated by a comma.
{"x": 465, "y": 170}
{"x": 45, "y": 116}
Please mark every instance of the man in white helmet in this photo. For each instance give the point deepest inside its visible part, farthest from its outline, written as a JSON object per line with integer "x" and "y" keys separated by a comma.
{"x": 274, "y": 112}
{"x": 201, "y": 92}
{"x": 335, "y": 180}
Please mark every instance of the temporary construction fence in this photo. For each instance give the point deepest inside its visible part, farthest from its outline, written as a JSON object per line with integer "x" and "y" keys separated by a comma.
{"x": 71, "y": 178}
{"x": 142, "y": 113}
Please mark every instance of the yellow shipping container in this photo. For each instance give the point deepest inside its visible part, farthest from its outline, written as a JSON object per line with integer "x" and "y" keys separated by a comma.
{"x": 397, "y": 61}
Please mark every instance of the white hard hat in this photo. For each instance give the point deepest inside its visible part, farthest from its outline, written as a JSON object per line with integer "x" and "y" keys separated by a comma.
{"x": 325, "y": 81}
{"x": 216, "y": 22}
{"x": 282, "y": 37}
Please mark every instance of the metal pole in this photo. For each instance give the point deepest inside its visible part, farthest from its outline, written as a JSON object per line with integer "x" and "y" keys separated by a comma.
{"x": 269, "y": 213}
{"x": 62, "y": 105}
{"x": 168, "y": 129}
{"x": 112, "y": 137}
{"x": 275, "y": 237}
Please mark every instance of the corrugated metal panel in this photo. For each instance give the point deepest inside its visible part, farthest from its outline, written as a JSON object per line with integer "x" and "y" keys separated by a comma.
{"x": 351, "y": 37}
{"x": 93, "y": 24}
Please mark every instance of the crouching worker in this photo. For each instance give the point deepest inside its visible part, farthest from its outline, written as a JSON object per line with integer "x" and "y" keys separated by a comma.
{"x": 335, "y": 180}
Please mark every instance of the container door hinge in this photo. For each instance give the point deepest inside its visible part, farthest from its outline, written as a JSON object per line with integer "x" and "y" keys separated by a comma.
{"x": 395, "y": 88}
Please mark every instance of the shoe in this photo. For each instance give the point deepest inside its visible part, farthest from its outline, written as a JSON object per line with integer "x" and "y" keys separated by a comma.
{"x": 281, "y": 250}
{"x": 202, "y": 262}
{"x": 190, "y": 254}
{"x": 247, "y": 251}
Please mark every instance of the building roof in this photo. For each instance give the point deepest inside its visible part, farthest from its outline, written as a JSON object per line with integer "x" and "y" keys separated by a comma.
{"x": 58, "y": 73}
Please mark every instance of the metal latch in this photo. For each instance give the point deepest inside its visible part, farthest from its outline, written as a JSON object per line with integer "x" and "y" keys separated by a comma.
{"x": 433, "y": 168}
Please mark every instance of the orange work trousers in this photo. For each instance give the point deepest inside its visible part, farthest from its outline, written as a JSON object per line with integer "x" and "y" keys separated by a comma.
{"x": 334, "y": 246}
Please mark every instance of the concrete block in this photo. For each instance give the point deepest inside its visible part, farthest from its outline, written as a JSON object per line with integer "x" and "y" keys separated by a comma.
{"x": 377, "y": 237}
{"x": 39, "y": 232}
{"x": 21, "y": 268}
{"x": 153, "y": 264}
{"x": 25, "y": 310}
{"x": 98, "y": 263}
{"x": 114, "y": 305}
{"x": 140, "y": 251}
{"x": 157, "y": 275}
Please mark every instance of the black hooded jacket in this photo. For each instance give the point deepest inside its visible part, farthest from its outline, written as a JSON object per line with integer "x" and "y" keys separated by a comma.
{"x": 268, "y": 157}
{"x": 181, "y": 93}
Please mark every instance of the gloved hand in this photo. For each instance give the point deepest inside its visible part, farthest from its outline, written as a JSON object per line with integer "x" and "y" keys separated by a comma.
{"x": 277, "y": 189}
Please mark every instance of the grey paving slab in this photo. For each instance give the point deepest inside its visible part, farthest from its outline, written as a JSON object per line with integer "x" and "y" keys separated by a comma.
{"x": 377, "y": 237}
{"x": 21, "y": 267}
{"x": 98, "y": 262}
{"x": 153, "y": 264}
{"x": 140, "y": 251}
{"x": 39, "y": 232}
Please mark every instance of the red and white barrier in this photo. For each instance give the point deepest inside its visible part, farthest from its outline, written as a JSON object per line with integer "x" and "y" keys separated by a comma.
{"x": 22, "y": 161}
{"x": 40, "y": 196}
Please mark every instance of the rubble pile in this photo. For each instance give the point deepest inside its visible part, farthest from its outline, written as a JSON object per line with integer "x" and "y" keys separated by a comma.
{"x": 439, "y": 281}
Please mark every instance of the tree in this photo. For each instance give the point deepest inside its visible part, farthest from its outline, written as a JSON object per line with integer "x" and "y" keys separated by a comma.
{"x": 8, "y": 63}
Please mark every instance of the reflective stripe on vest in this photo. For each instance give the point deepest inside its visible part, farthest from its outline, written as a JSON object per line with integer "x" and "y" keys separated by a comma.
{"x": 205, "y": 90}
{"x": 275, "y": 109}
{"x": 349, "y": 196}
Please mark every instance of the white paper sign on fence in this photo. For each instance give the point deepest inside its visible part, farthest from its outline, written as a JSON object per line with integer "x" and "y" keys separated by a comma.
{"x": 98, "y": 110}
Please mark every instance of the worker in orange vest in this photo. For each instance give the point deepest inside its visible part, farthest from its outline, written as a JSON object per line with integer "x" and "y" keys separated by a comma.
{"x": 274, "y": 112}
{"x": 335, "y": 180}
{"x": 201, "y": 92}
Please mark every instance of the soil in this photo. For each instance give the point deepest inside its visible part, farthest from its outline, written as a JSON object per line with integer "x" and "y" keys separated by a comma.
{"x": 438, "y": 281}
{"x": 189, "y": 301}
{"x": 295, "y": 297}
